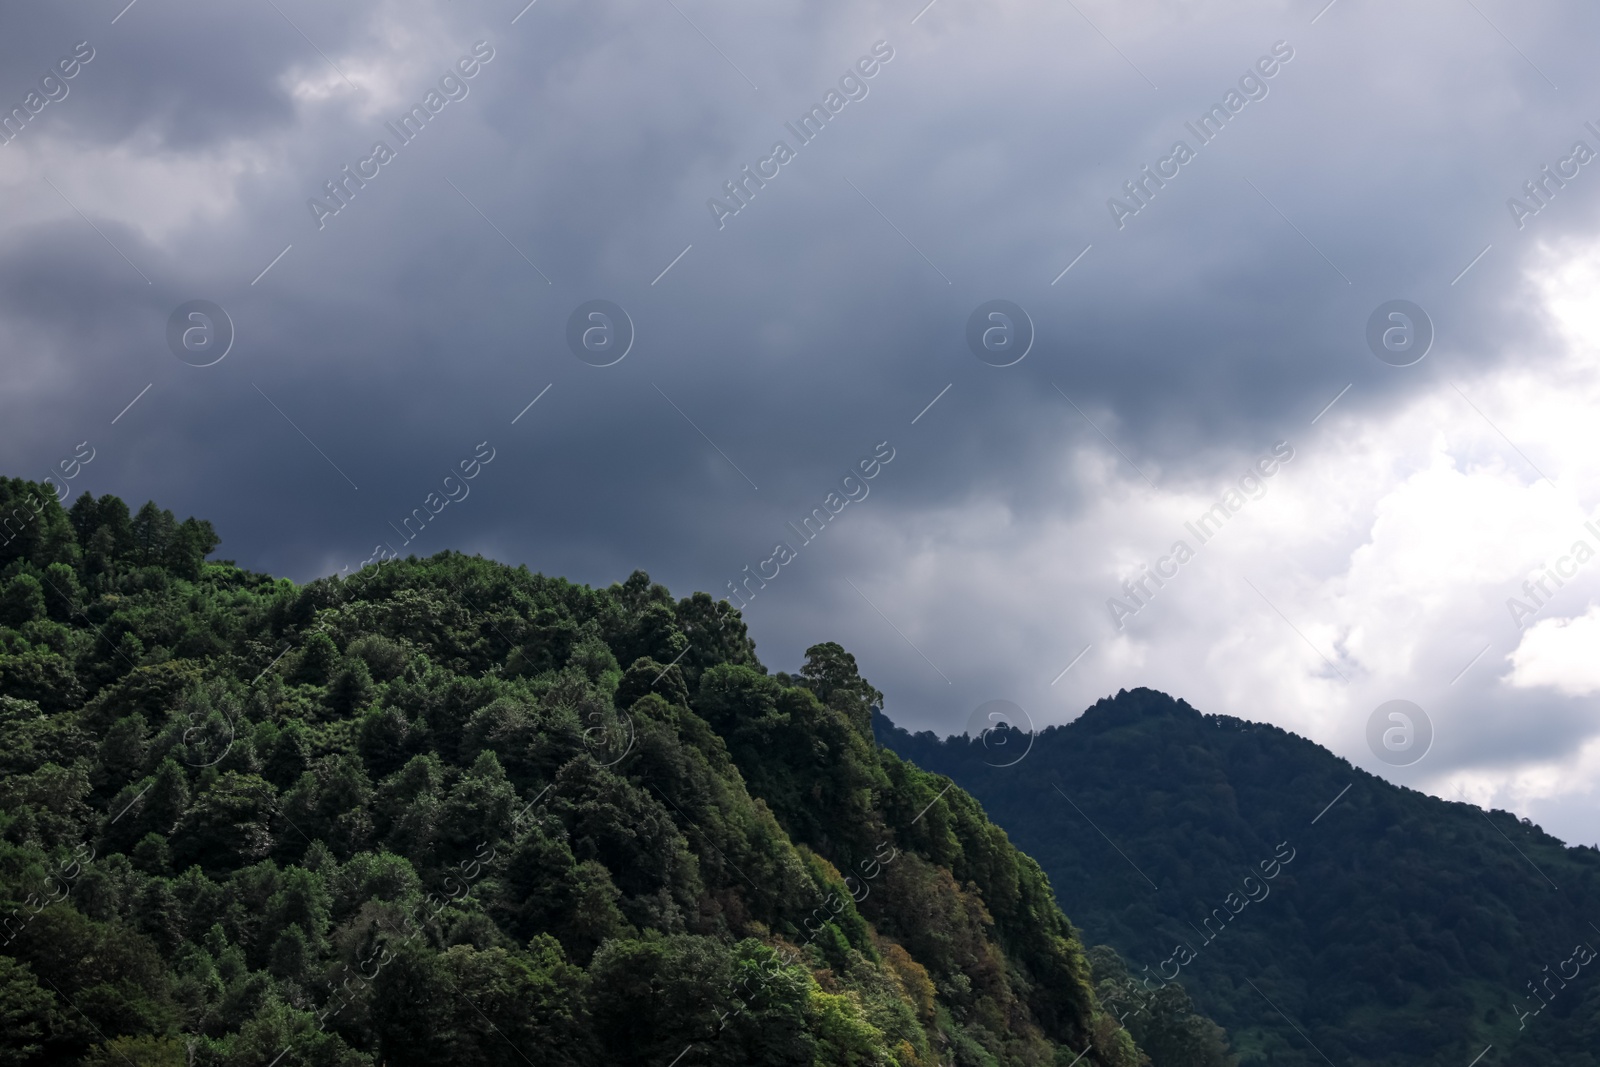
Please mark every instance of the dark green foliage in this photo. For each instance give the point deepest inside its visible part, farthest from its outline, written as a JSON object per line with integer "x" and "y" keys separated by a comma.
{"x": 33, "y": 528}
{"x": 25, "y": 1012}
{"x": 1405, "y": 929}
{"x": 1161, "y": 1018}
{"x": 22, "y": 601}
{"x": 425, "y": 816}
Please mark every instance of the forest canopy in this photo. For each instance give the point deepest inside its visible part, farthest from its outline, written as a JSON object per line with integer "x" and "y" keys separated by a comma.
{"x": 450, "y": 811}
{"x": 1311, "y": 908}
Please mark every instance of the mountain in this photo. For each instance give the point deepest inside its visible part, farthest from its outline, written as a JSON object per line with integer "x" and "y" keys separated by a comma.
{"x": 1319, "y": 913}
{"x": 449, "y": 811}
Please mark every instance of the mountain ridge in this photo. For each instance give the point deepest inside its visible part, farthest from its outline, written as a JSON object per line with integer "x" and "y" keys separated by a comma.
{"x": 453, "y": 811}
{"x": 1406, "y": 929}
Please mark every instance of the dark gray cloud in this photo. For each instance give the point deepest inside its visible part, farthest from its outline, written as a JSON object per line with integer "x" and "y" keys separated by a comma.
{"x": 820, "y": 319}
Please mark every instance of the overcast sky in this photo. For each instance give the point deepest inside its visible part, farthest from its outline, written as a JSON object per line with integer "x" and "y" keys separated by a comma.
{"x": 1180, "y": 332}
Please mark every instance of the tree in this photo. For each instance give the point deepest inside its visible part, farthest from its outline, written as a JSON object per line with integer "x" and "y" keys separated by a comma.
{"x": 1162, "y": 1021}
{"x": 25, "y": 1010}
{"x": 33, "y": 526}
{"x": 413, "y": 1008}
{"x": 532, "y": 1001}
{"x": 302, "y": 902}
{"x": 190, "y": 543}
{"x": 145, "y": 1051}
{"x": 332, "y": 802}
{"x": 230, "y": 824}
{"x": 831, "y": 673}
{"x": 114, "y": 977}
{"x": 22, "y": 602}
{"x": 277, "y": 1026}
{"x": 153, "y": 532}
{"x": 156, "y": 805}
{"x": 716, "y": 633}
{"x": 62, "y": 592}
{"x": 653, "y": 998}
{"x": 318, "y": 657}
{"x": 351, "y": 688}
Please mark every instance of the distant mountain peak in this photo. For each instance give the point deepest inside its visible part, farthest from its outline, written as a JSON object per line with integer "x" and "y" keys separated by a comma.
{"x": 1405, "y": 930}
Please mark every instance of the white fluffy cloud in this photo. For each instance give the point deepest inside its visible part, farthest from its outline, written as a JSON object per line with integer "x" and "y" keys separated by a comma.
{"x": 1382, "y": 558}
{"x": 1563, "y": 654}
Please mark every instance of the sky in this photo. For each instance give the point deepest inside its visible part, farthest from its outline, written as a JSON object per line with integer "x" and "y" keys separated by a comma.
{"x": 980, "y": 312}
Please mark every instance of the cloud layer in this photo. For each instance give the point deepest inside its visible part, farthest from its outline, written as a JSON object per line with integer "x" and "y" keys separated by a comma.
{"x": 774, "y": 348}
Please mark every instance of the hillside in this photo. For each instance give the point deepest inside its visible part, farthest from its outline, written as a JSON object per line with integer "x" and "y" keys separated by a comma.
{"x": 1389, "y": 927}
{"x": 448, "y": 811}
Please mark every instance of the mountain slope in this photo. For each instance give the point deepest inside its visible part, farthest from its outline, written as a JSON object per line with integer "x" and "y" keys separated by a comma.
{"x": 426, "y": 815}
{"x": 1388, "y": 928}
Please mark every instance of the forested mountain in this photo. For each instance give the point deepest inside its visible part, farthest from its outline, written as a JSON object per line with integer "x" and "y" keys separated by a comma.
{"x": 450, "y": 812}
{"x": 1321, "y": 914}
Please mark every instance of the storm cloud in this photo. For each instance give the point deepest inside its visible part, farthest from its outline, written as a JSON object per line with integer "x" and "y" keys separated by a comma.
{"x": 426, "y": 312}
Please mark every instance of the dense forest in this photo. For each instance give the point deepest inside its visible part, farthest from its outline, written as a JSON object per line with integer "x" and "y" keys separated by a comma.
{"x": 1319, "y": 913}
{"x": 447, "y": 811}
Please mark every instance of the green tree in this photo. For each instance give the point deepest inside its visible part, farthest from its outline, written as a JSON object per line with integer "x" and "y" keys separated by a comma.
{"x": 145, "y": 1051}
{"x": 831, "y": 673}
{"x": 1161, "y": 1020}
{"x": 318, "y": 657}
{"x": 63, "y": 594}
{"x": 22, "y": 602}
{"x": 230, "y": 824}
{"x": 25, "y": 1012}
{"x": 153, "y": 533}
{"x": 351, "y": 688}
